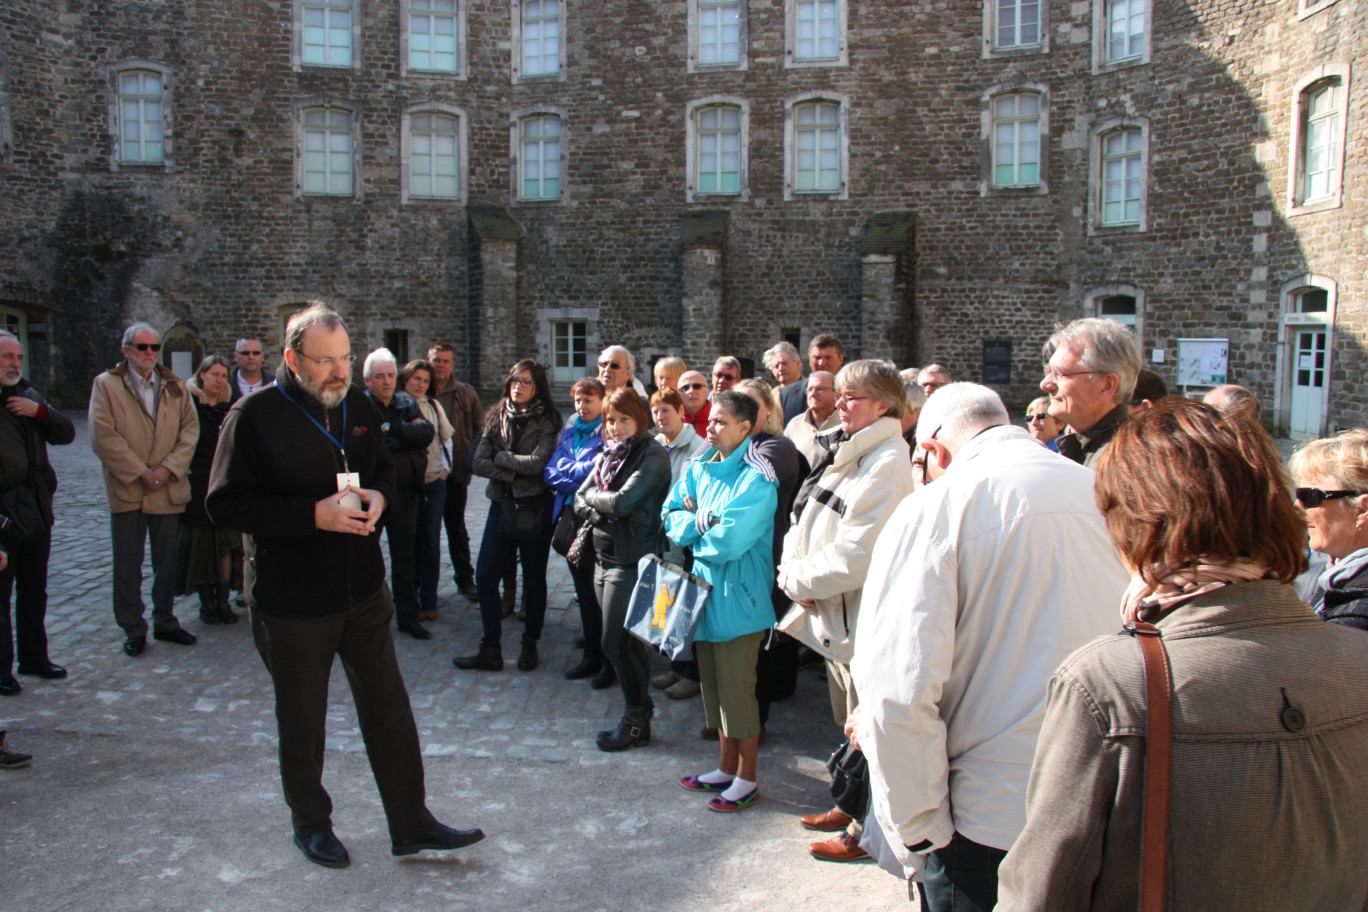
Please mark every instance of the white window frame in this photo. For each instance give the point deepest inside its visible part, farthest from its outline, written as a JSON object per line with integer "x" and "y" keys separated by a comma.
{"x": 1093, "y": 306}
{"x": 1293, "y": 321}
{"x": 517, "y": 54}
{"x": 1102, "y": 62}
{"x": 691, "y": 192}
{"x": 297, "y": 44}
{"x": 1296, "y": 152}
{"x": 1096, "y": 183}
{"x": 1311, "y": 7}
{"x": 546, "y": 316}
{"x": 566, "y": 376}
{"x": 695, "y": 40}
{"x": 991, "y": 48}
{"x": 406, "y": 12}
{"x": 116, "y": 73}
{"x": 791, "y": 104}
{"x": 791, "y": 58}
{"x": 988, "y": 119}
{"x": 462, "y": 153}
{"x": 327, "y": 103}
{"x": 515, "y": 153}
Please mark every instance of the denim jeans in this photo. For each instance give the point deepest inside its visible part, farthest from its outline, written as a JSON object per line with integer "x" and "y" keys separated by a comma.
{"x": 430, "y": 511}
{"x": 489, "y": 569}
{"x": 961, "y": 877}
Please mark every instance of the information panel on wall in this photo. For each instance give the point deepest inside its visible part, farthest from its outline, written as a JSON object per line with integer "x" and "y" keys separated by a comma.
{"x": 997, "y": 361}
{"x": 1203, "y": 362}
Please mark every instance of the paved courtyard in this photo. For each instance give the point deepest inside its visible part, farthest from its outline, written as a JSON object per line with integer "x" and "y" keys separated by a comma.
{"x": 155, "y": 783}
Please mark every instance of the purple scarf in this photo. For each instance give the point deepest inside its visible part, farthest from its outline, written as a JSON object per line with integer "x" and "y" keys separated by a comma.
{"x": 607, "y": 463}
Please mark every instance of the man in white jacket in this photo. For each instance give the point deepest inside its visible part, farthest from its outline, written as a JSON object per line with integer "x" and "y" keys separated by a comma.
{"x": 978, "y": 588}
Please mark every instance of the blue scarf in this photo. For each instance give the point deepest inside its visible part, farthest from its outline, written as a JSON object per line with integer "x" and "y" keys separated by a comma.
{"x": 584, "y": 430}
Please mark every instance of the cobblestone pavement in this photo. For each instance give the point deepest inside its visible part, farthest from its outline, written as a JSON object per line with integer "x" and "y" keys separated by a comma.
{"x": 156, "y": 786}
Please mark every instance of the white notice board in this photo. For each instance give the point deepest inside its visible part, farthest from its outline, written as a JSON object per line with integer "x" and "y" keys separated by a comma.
{"x": 1203, "y": 362}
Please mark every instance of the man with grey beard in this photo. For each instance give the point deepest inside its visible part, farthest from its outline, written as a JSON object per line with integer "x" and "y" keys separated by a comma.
{"x": 27, "y": 483}
{"x": 303, "y": 472}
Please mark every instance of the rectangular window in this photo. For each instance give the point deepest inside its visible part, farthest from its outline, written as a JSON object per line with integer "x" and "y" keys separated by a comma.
{"x": 1125, "y": 29}
{"x": 327, "y": 33}
{"x": 327, "y": 152}
{"x": 397, "y": 341}
{"x": 140, "y": 117}
{"x": 1018, "y": 23}
{"x": 540, "y": 37}
{"x": 433, "y": 158}
{"x": 816, "y": 30}
{"x": 719, "y": 32}
{"x": 719, "y": 149}
{"x": 1321, "y": 156}
{"x": 817, "y": 145}
{"x": 1121, "y": 178}
{"x": 540, "y": 159}
{"x": 569, "y": 351}
{"x": 432, "y": 36}
{"x": 1016, "y": 140}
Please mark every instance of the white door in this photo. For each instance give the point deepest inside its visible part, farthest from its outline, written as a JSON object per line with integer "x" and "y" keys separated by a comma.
{"x": 1308, "y": 384}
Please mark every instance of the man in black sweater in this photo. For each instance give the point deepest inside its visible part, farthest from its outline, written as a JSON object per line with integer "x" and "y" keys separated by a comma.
{"x": 304, "y": 473}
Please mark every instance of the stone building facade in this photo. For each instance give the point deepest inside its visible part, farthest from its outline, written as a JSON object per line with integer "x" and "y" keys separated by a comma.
{"x": 928, "y": 180}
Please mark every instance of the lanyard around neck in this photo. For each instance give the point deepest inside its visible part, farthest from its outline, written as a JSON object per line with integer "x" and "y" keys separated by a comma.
{"x": 341, "y": 447}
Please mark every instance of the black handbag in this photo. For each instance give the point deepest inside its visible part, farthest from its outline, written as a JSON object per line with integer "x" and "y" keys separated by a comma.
{"x": 524, "y": 519}
{"x": 849, "y": 780}
{"x": 567, "y": 526}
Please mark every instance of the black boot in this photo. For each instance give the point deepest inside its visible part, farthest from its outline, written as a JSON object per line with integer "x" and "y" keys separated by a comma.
{"x": 208, "y": 611}
{"x": 629, "y": 733}
{"x": 225, "y": 610}
{"x": 489, "y": 658}
{"x": 586, "y": 667}
{"x": 527, "y": 659}
{"x": 605, "y": 679}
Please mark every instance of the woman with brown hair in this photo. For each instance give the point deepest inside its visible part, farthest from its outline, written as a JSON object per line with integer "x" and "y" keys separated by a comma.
{"x": 621, "y": 500}
{"x": 1268, "y": 766}
{"x": 416, "y": 380}
{"x": 205, "y": 557}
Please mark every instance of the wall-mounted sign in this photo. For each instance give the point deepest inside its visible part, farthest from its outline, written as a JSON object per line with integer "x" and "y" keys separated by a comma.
{"x": 1203, "y": 362}
{"x": 997, "y": 361}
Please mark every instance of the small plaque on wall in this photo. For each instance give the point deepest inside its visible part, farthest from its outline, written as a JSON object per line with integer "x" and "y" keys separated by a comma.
{"x": 997, "y": 361}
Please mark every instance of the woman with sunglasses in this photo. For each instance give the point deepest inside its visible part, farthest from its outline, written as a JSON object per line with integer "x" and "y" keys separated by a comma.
{"x": 520, "y": 434}
{"x": 1332, "y": 480}
{"x": 1042, "y": 425}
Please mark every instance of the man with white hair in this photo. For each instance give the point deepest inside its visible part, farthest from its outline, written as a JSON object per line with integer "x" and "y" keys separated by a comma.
{"x": 1090, "y": 371}
{"x": 980, "y": 585}
{"x": 790, "y": 396}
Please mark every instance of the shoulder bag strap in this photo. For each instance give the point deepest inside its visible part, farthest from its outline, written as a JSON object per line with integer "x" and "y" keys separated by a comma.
{"x": 1158, "y": 758}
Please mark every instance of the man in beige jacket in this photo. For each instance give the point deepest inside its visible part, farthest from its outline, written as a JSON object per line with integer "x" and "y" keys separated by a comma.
{"x": 143, "y": 427}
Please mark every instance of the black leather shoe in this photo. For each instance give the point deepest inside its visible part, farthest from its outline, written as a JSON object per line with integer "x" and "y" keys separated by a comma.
{"x": 584, "y": 669}
{"x": 48, "y": 670}
{"x": 469, "y": 590}
{"x": 489, "y": 658}
{"x": 605, "y": 679}
{"x": 323, "y": 848}
{"x": 527, "y": 658}
{"x": 439, "y": 838}
{"x": 179, "y": 636}
{"x": 416, "y": 630}
{"x": 628, "y": 733}
{"x": 9, "y": 686}
{"x": 134, "y": 646}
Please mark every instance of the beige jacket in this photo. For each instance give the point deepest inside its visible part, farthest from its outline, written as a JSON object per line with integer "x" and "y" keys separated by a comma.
{"x": 128, "y": 443}
{"x": 804, "y": 433}
{"x": 436, "y": 415}
{"x": 1268, "y": 810}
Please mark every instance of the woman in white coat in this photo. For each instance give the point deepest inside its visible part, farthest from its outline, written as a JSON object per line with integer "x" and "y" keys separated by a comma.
{"x": 838, "y": 514}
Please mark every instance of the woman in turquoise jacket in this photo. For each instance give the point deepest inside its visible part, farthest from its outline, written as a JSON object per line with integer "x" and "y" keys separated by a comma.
{"x": 723, "y": 511}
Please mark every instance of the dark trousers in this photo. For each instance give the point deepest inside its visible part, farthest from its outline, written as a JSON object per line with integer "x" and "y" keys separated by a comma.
{"x": 401, "y": 527}
{"x": 429, "y": 545}
{"x": 591, "y": 615}
{"x": 129, "y": 531}
{"x": 961, "y": 877}
{"x": 26, "y": 576}
{"x": 776, "y": 671}
{"x": 627, "y": 654}
{"x": 458, "y": 540}
{"x": 489, "y": 570}
{"x": 298, "y": 653}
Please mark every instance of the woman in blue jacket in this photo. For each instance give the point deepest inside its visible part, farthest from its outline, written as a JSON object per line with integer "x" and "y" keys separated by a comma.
{"x": 572, "y": 462}
{"x": 723, "y": 511}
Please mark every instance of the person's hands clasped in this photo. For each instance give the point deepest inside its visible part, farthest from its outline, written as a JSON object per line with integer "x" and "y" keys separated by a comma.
{"x": 156, "y": 478}
{"x": 330, "y": 515}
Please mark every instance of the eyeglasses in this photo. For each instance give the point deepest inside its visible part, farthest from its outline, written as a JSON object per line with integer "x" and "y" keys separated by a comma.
{"x": 1314, "y": 497}
{"x": 1040, "y": 416}
{"x": 926, "y": 455}
{"x": 847, "y": 398}
{"x": 718, "y": 375}
{"x": 690, "y": 387}
{"x": 519, "y": 381}
{"x": 146, "y": 346}
{"x": 610, "y": 364}
{"x": 345, "y": 360}
{"x": 1054, "y": 374}
{"x": 821, "y": 389}
{"x": 247, "y": 353}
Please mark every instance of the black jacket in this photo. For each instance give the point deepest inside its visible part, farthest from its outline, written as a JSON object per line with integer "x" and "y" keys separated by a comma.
{"x": 793, "y": 398}
{"x": 626, "y": 517}
{"x": 23, "y": 447}
{"x": 407, "y": 435}
{"x": 1347, "y": 602}
{"x": 235, "y": 391}
{"x": 272, "y": 466}
{"x": 520, "y": 463}
{"x": 202, "y": 462}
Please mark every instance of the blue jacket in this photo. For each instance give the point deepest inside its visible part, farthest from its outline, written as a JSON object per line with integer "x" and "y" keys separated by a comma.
{"x": 741, "y": 492}
{"x": 573, "y": 460}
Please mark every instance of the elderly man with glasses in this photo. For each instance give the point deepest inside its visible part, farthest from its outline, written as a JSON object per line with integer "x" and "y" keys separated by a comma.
{"x": 1090, "y": 370}
{"x": 143, "y": 427}
{"x": 693, "y": 389}
{"x": 809, "y": 431}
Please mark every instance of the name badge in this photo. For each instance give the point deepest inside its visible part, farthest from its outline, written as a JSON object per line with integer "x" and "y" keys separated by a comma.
{"x": 351, "y": 500}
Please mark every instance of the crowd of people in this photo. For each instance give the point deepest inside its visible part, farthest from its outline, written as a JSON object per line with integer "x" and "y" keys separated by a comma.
{"x": 975, "y": 592}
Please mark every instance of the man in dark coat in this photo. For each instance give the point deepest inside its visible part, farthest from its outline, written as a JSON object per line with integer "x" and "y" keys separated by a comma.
{"x": 27, "y": 482}
{"x": 304, "y": 473}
